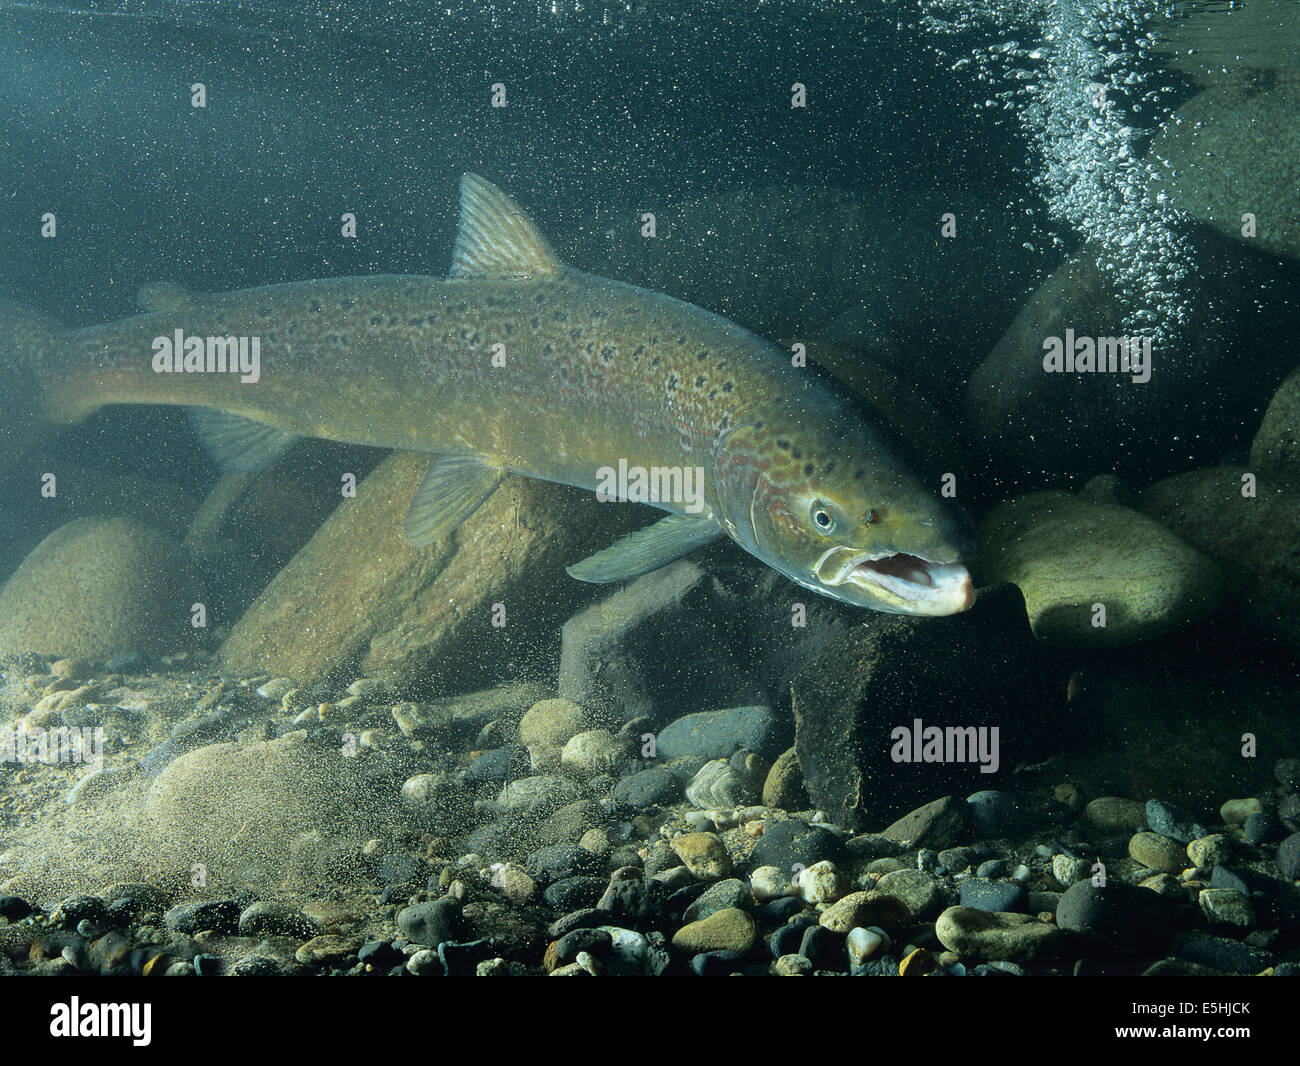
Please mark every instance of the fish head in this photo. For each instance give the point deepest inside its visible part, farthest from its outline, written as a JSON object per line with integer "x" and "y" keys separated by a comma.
{"x": 835, "y": 502}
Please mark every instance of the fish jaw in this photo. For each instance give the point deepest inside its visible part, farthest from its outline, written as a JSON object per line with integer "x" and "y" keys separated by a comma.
{"x": 894, "y": 582}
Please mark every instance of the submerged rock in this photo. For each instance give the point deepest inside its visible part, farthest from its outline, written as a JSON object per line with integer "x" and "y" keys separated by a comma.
{"x": 99, "y": 588}
{"x": 1232, "y": 150}
{"x": 1252, "y": 538}
{"x": 887, "y": 671}
{"x": 1275, "y": 451}
{"x": 1068, "y": 555}
{"x": 358, "y": 596}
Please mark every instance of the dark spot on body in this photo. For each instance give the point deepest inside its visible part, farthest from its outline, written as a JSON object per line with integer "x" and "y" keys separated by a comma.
{"x": 347, "y": 305}
{"x": 559, "y": 316}
{"x": 607, "y": 355}
{"x": 699, "y": 381}
{"x": 534, "y": 322}
{"x": 808, "y": 469}
{"x": 575, "y": 334}
{"x": 702, "y": 356}
{"x": 376, "y": 320}
{"x": 314, "y": 306}
{"x": 795, "y": 453}
{"x": 672, "y": 382}
{"x": 727, "y": 386}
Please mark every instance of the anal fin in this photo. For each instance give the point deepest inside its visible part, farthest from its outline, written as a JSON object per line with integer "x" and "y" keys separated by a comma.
{"x": 238, "y": 445}
{"x": 451, "y": 491}
{"x": 647, "y": 549}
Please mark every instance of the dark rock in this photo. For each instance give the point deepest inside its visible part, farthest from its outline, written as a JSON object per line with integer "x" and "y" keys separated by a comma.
{"x": 219, "y": 915}
{"x": 1224, "y": 955}
{"x": 632, "y": 901}
{"x": 1227, "y": 878}
{"x": 825, "y": 949}
{"x": 1288, "y": 857}
{"x": 997, "y": 969}
{"x": 936, "y": 825}
{"x": 1001, "y": 896}
{"x": 14, "y": 908}
{"x": 587, "y": 918}
{"x": 780, "y": 910}
{"x": 380, "y": 954}
{"x": 209, "y": 966}
{"x": 786, "y": 940}
{"x": 716, "y": 963}
{"x": 430, "y": 923}
{"x": 500, "y": 764}
{"x": 795, "y": 841}
{"x": 559, "y": 861}
{"x": 1118, "y": 917}
{"x": 254, "y": 966}
{"x": 1262, "y": 826}
{"x": 956, "y": 860}
{"x": 72, "y": 910}
{"x": 993, "y": 868}
{"x": 885, "y": 966}
{"x": 613, "y": 654}
{"x": 997, "y": 814}
{"x": 1286, "y": 772}
{"x": 573, "y": 892}
{"x": 729, "y": 893}
{"x": 460, "y": 960}
{"x": 596, "y": 942}
{"x": 278, "y": 919}
{"x": 717, "y": 734}
{"x": 848, "y": 700}
{"x": 1170, "y": 821}
{"x": 657, "y": 786}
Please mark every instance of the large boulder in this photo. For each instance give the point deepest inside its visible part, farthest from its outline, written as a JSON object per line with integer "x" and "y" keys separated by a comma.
{"x": 981, "y": 669}
{"x": 1275, "y": 451}
{"x": 99, "y": 588}
{"x": 1232, "y": 151}
{"x": 1096, "y": 574}
{"x": 358, "y": 597}
{"x": 1253, "y": 539}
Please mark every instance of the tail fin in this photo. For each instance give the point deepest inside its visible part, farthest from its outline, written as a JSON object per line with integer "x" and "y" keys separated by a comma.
{"x": 28, "y": 346}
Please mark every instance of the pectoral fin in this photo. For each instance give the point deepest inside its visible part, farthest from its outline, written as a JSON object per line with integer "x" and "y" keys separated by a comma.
{"x": 450, "y": 492}
{"x": 238, "y": 445}
{"x": 647, "y": 549}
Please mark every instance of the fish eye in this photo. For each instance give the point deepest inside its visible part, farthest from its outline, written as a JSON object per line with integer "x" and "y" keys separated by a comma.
{"x": 823, "y": 518}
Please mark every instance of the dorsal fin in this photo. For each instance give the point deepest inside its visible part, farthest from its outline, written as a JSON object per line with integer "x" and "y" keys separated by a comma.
{"x": 496, "y": 238}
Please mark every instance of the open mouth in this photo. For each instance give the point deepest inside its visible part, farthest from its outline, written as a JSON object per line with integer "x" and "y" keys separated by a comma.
{"x": 908, "y": 582}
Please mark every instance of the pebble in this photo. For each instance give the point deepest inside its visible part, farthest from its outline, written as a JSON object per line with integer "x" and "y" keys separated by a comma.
{"x": 821, "y": 882}
{"x": 1236, "y": 811}
{"x": 996, "y": 896}
{"x": 327, "y": 950}
{"x": 864, "y": 909}
{"x": 514, "y": 882}
{"x": 792, "y": 966}
{"x": 731, "y": 929}
{"x": 1067, "y": 869}
{"x": 547, "y": 727}
{"x": 218, "y": 915}
{"x": 936, "y": 825}
{"x": 70, "y": 911}
{"x": 1212, "y": 850}
{"x": 557, "y": 862}
{"x": 424, "y": 963}
{"x": 795, "y": 842}
{"x": 824, "y": 947}
{"x": 499, "y": 764}
{"x": 657, "y": 786}
{"x": 1288, "y": 857}
{"x": 1115, "y": 814}
{"x": 595, "y": 751}
{"x": 996, "y": 814}
{"x": 540, "y": 794}
{"x": 1223, "y": 954}
{"x": 729, "y": 893}
{"x": 864, "y": 944}
{"x": 430, "y": 923}
{"x": 1222, "y": 906}
{"x": 14, "y": 908}
{"x": 718, "y": 734}
{"x": 769, "y": 883}
{"x": 1157, "y": 852}
{"x": 956, "y": 860}
{"x": 1262, "y": 827}
{"x": 704, "y": 855}
{"x": 918, "y": 891}
{"x": 380, "y": 954}
{"x": 1118, "y": 916}
{"x": 1170, "y": 821}
{"x": 987, "y": 935}
{"x": 719, "y": 784}
{"x": 275, "y": 918}
{"x": 95, "y": 783}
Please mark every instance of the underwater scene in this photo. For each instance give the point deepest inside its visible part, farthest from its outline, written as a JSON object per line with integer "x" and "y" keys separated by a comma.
{"x": 650, "y": 488}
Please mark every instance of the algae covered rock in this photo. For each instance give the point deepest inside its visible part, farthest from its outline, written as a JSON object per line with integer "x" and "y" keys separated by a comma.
{"x": 1275, "y": 451}
{"x": 1252, "y": 537}
{"x": 96, "y": 589}
{"x": 1231, "y": 152}
{"x": 1080, "y": 564}
{"x": 358, "y": 596}
{"x": 285, "y": 811}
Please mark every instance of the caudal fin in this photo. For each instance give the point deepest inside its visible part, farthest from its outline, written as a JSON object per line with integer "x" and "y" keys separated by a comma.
{"x": 29, "y": 344}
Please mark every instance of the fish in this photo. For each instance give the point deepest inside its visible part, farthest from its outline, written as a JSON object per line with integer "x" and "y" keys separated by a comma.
{"x": 516, "y": 363}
